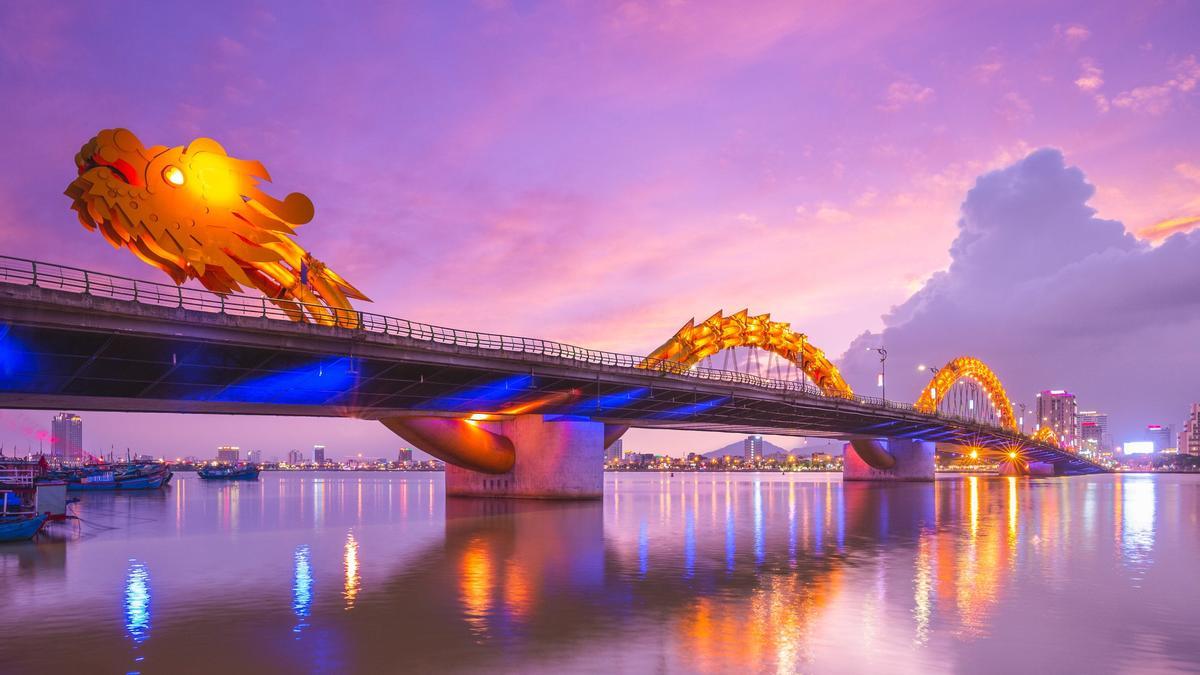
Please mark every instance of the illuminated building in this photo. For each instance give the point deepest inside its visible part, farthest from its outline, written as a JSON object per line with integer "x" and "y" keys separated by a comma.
{"x": 228, "y": 453}
{"x": 1093, "y": 431}
{"x": 319, "y": 454}
{"x": 404, "y": 456}
{"x": 295, "y": 457}
{"x": 254, "y": 456}
{"x": 67, "y": 436}
{"x": 1057, "y": 410}
{"x": 613, "y": 452}
{"x": 1160, "y": 436}
{"x": 753, "y": 448}
{"x": 1189, "y": 437}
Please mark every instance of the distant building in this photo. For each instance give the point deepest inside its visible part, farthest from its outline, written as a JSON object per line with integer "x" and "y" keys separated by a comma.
{"x": 1161, "y": 436}
{"x": 1093, "y": 430}
{"x": 752, "y": 448}
{"x": 66, "y": 442}
{"x": 1189, "y": 437}
{"x": 295, "y": 457}
{"x": 613, "y": 452}
{"x": 318, "y": 454}
{"x": 228, "y": 453}
{"x": 1056, "y": 409}
{"x": 254, "y": 456}
{"x": 404, "y": 456}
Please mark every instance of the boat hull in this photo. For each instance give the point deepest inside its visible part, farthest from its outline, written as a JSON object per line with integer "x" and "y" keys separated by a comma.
{"x": 243, "y": 475}
{"x": 22, "y": 529}
{"x": 139, "y": 483}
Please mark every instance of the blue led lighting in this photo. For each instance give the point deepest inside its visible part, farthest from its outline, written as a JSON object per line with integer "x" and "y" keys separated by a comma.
{"x": 690, "y": 409}
{"x": 323, "y": 381}
{"x": 482, "y": 398}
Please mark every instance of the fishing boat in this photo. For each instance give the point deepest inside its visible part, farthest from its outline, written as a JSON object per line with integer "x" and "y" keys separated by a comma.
{"x": 20, "y": 524}
{"x": 243, "y": 472}
{"x": 20, "y": 527}
{"x": 120, "y": 477}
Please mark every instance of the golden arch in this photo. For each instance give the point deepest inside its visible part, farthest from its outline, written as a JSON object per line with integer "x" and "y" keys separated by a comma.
{"x": 695, "y": 342}
{"x": 1046, "y": 435}
{"x": 972, "y": 368}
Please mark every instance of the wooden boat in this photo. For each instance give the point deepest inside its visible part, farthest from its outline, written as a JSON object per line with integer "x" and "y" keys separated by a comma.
{"x": 244, "y": 472}
{"x": 130, "y": 477}
{"x": 20, "y": 527}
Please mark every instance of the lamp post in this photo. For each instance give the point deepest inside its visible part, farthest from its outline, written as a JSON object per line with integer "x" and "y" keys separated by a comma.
{"x": 882, "y": 370}
{"x": 1021, "y": 422}
{"x": 934, "y": 370}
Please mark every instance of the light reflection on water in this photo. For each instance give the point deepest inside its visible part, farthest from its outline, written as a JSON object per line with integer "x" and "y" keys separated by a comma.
{"x": 697, "y": 572}
{"x": 302, "y": 583}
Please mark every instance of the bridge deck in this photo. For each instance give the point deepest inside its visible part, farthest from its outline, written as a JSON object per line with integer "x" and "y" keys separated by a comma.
{"x": 105, "y": 343}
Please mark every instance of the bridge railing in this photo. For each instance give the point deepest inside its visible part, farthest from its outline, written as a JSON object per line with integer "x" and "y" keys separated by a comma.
{"x": 50, "y": 276}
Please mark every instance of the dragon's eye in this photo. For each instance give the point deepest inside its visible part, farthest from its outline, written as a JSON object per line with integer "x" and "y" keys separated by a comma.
{"x": 173, "y": 175}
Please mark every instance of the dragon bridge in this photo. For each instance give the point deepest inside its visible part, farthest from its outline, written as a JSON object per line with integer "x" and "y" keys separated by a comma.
{"x": 972, "y": 369}
{"x": 696, "y": 341}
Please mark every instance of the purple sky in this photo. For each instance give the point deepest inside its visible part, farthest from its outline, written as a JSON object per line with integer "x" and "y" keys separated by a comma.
{"x": 598, "y": 173}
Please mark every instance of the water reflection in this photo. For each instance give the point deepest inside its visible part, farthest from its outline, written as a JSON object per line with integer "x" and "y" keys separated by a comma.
{"x": 302, "y": 588}
{"x": 1137, "y": 524}
{"x": 137, "y": 602}
{"x": 350, "y": 563}
{"x": 693, "y": 573}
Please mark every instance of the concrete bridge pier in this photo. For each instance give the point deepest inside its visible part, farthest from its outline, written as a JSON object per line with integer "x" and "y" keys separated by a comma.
{"x": 888, "y": 459}
{"x": 527, "y": 456}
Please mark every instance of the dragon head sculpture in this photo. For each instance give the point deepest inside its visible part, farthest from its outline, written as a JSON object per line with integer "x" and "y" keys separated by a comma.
{"x": 196, "y": 213}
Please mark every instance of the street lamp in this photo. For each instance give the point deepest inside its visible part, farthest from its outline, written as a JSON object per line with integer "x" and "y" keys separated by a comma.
{"x": 934, "y": 370}
{"x": 882, "y": 370}
{"x": 1021, "y": 421}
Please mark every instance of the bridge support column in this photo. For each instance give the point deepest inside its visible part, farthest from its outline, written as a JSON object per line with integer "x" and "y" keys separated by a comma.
{"x": 555, "y": 459}
{"x": 913, "y": 460}
{"x": 528, "y": 456}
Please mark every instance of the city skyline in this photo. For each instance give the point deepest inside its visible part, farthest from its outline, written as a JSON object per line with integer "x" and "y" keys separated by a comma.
{"x": 1043, "y": 107}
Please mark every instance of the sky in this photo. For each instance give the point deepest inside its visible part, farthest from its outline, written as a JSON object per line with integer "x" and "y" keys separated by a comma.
{"x": 1000, "y": 179}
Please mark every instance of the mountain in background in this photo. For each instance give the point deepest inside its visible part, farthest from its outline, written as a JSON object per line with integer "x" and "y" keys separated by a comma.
{"x": 737, "y": 448}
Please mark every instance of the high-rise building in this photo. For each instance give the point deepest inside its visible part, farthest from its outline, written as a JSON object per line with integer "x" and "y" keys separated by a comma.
{"x": 752, "y": 449}
{"x": 404, "y": 456}
{"x": 613, "y": 452}
{"x": 66, "y": 442}
{"x": 1093, "y": 430}
{"x": 1189, "y": 437}
{"x": 1056, "y": 409}
{"x": 1160, "y": 435}
{"x": 295, "y": 457}
{"x": 228, "y": 453}
{"x": 318, "y": 455}
{"x": 254, "y": 456}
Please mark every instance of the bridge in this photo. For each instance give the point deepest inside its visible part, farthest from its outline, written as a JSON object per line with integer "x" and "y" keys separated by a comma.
{"x": 512, "y": 416}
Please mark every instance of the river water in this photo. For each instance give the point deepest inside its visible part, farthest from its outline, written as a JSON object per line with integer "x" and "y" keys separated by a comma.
{"x": 344, "y": 572}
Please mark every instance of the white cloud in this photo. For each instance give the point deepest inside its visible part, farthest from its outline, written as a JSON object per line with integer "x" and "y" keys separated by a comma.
{"x": 1072, "y": 34}
{"x": 1156, "y": 99}
{"x": 1015, "y": 108}
{"x": 1188, "y": 170}
{"x": 903, "y": 93}
{"x": 1091, "y": 77}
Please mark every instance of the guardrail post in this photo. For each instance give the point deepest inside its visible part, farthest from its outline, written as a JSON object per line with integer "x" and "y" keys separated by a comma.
{"x": 33, "y": 280}
{"x": 180, "y": 289}
{"x": 87, "y": 283}
{"x": 222, "y": 297}
{"x": 135, "y": 293}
